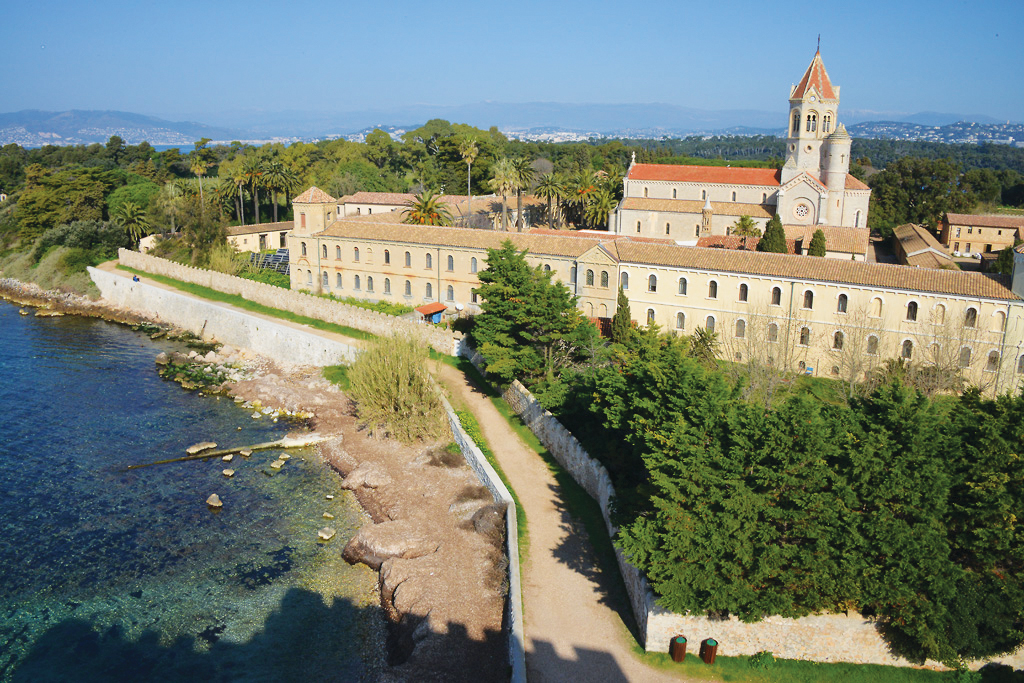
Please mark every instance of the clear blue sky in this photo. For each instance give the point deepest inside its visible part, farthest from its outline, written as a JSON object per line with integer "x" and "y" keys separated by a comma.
{"x": 186, "y": 58}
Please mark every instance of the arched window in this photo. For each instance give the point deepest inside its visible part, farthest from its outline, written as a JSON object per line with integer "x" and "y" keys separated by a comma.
{"x": 856, "y": 219}
{"x": 303, "y": 248}
{"x": 907, "y": 350}
{"x": 650, "y": 316}
{"x": 826, "y": 122}
{"x": 703, "y": 195}
{"x": 387, "y": 257}
{"x": 709, "y": 324}
{"x": 325, "y": 251}
{"x": 337, "y": 281}
{"x": 357, "y": 283}
{"x": 472, "y": 265}
{"x": 796, "y": 122}
{"x": 638, "y": 226}
{"x": 680, "y": 320}
{"x": 965, "y": 357}
{"x": 773, "y": 332}
{"x": 387, "y": 285}
{"x": 369, "y": 255}
{"x": 837, "y": 341}
{"x": 547, "y": 268}
{"x": 764, "y": 197}
{"x": 993, "y": 361}
{"x": 971, "y": 318}
{"x": 872, "y": 345}
{"x": 841, "y": 303}
{"x": 776, "y": 296}
{"x": 876, "y": 307}
{"x": 999, "y": 322}
{"x": 741, "y": 329}
{"x": 805, "y": 336}
{"x": 302, "y": 221}
{"x": 682, "y": 286}
{"x": 645, "y": 190}
{"x": 355, "y": 253}
{"x": 652, "y": 283}
{"x": 1020, "y": 366}
{"x": 624, "y": 280}
{"x": 604, "y": 279}
{"x": 812, "y": 122}
{"x": 369, "y": 283}
{"x": 939, "y": 315}
{"x": 324, "y": 280}
{"x": 668, "y": 228}
{"x": 408, "y": 260}
{"x": 337, "y": 253}
{"x": 734, "y": 196}
{"x": 429, "y": 261}
{"x": 801, "y": 366}
{"x": 451, "y": 293}
{"x": 451, "y": 263}
{"x": 808, "y": 299}
{"x": 712, "y": 290}
{"x": 744, "y": 291}
{"x": 572, "y": 274}
{"x": 912, "y": 311}
{"x": 430, "y": 291}
{"x": 408, "y": 288}
{"x": 309, "y": 277}
{"x": 673, "y": 193}
{"x": 590, "y": 278}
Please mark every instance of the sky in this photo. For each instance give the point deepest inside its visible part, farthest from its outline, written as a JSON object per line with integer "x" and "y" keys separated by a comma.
{"x": 211, "y": 59}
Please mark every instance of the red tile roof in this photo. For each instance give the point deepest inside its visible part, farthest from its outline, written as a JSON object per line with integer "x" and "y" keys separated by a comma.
{"x": 431, "y": 309}
{"x": 985, "y": 221}
{"x": 738, "y": 243}
{"x": 314, "y": 195}
{"x": 854, "y": 184}
{"x": 706, "y": 174}
{"x": 815, "y": 77}
{"x": 598, "y": 234}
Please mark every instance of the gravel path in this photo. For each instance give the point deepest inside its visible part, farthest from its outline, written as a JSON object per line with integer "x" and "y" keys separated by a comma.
{"x": 574, "y": 631}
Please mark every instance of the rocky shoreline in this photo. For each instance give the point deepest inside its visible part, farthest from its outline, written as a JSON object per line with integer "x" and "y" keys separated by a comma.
{"x": 436, "y": 536}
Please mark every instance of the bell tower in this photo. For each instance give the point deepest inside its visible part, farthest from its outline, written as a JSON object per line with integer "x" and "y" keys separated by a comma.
{"x": 813, "y": 104}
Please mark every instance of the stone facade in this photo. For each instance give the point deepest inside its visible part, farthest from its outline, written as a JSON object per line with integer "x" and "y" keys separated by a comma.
{"x": 968, "y": 234}
{"x": 297, "y": 302}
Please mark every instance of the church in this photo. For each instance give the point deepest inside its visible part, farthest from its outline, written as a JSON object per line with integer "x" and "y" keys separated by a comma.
{"x": 813, "y": 189}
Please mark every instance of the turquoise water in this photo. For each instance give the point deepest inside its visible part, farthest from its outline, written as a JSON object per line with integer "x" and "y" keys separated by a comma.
{"x": 108, "y": 575}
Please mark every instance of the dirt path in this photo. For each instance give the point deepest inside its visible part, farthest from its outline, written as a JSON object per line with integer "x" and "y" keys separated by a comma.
{"x": 573, "y": 631}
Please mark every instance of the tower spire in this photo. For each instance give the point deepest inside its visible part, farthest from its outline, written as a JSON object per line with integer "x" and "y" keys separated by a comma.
{"x": 819, "y": 43}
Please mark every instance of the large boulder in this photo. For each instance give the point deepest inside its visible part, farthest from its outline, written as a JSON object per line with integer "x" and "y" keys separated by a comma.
{"x": 375, "y": 543}
{"x": 369, "y": 474}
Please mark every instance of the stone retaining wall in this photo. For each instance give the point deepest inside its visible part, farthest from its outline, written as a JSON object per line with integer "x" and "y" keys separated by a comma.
{"x": 489, "y": 478}
{"x": 300, "y": 303}
{"x": 820, "y": 638}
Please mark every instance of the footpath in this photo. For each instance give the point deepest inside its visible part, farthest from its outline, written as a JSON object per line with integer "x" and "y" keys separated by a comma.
{"x": 574, "y": 630}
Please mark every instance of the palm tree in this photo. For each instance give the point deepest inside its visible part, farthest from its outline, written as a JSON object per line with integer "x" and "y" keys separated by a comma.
{"x": 469, "y": 151}
{"x": 198, "y": 168}
{"x": 599, "y": 206}
{"x": 274, "y": 179}
{"x": 132, "y": 218}
{"x": 228, "y": 191}
{"x": 290, "y": 181}
{"x": 524, "y": 178}
{"x": 426, "y": 209}
{"x": 253, "y": 171}
{"x": 551, "y": 187}
{"x": 503, "y": 181}
{"x": 580, "y": 187}
{"x": 238, "y": 177}
{"x": 745, "y": 227}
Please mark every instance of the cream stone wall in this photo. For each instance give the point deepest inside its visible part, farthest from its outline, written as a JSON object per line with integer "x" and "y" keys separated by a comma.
{"x": 350, "y": 209}
{"x": 716, "y": 192}
{"x": 683, "y": 227}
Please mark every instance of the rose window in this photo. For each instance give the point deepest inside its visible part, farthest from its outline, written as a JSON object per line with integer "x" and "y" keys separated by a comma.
{"x": 802, "y": 211}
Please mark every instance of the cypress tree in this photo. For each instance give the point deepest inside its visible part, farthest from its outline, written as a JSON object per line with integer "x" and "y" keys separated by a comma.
{"x": 817, "y": 247}
{"x": 774, "y": 239}
{"x": 622, "y": 321}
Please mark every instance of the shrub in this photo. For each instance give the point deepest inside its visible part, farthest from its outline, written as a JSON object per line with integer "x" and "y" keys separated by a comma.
{"x": 761, "y": 661}
{"x": 394, "y": 390}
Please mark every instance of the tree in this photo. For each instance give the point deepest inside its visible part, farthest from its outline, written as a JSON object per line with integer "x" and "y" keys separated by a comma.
{"x": 1004, "y": 262}
{"x": 201, "y": 233}
{"x": 132, "y": 218}
{"x": 426, "y": 209}
{"x": 274, "y": 179}
{"x": 252, "y": 170}
{"x": 198, "y": 168}
{"x": 774, "y": 239}
{"x": 745, "y": 227}
{"x": 915, "y": 190}
{"x": 600, "y": 205}
{"x": 622, "y": 321}
{"x": 380, "y": 148}
{"x": 524, "y": 175}
{"x": 469, "y": 151}
{"x": 817, "y": 246}
{"x": 503, "y": 181}
{"x": 551, "y": 187}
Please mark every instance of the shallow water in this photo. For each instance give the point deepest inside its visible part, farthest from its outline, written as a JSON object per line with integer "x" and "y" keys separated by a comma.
{"x": 114, "y": 575}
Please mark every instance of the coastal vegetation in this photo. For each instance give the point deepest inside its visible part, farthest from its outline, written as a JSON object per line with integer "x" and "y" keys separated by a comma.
{"x": 809, "y": 501}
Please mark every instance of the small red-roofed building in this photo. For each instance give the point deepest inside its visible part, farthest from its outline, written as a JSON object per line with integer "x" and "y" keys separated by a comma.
{"x": 813, "y": 188}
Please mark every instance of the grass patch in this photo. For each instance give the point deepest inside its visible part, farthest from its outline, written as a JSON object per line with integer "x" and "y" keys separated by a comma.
{"x": 385, "y": 307}
{"x": 742, "y": 669}
{"x": 252, "y": 306}
{"x": 338, "y": 374}
{"x": 268, "y": 277}
{"x": 472, "y": 428}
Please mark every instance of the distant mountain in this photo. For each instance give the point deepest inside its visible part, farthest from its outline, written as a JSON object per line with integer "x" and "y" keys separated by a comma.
{"x": 33, "y": 128}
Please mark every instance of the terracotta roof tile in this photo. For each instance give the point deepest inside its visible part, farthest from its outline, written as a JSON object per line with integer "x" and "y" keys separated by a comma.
{"x": 815, "y": 77}
{"x": 855, "y": 184}
{"x": 281, "y": 226}
{"x": 845, "y": 240}
{"x": 985, "y": 220}
{"x": 598, "y": 234}
{"x": 767, "y": 177}
{"x": 395, "y": 198}
{"x": 315, "y": 195}
{"x": 738, "y": 243}
{"x": 695, "y": 207}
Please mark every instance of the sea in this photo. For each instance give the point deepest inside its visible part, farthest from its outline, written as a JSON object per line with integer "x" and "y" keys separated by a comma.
{"x": 108, "y": 574}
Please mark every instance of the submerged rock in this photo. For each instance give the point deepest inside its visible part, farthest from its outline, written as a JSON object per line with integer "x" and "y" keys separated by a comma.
{"x": 245, "y": 453}
{"x": 277, "y": 464}
{"x": 214, "y": 501}
{"x": 228, "y": 473}
{"x": 328, "y": 515}
{"x": 200, "y": 447}
{"x": 368, "y": 474}
{"x": 327, "y": 533}
{"x": 162, "y": 358}
{"x": 228, "y": 458}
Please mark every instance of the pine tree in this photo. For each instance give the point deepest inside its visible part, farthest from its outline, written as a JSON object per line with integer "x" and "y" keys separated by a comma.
{"x": 817, "y": 247}
{"x": 622, "y": 321}
{"x": 774, "y": 239}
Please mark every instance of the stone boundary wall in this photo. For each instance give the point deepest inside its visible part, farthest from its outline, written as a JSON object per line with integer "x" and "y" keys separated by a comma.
{"x": 213, "y": 321}
{"x": 293, "y": 301}
{"x": 489, "y": 478}
{"x": 819, "y": 638}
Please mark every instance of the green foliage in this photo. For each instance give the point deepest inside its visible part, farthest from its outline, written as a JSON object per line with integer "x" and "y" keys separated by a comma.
{"x": 774, "y": 239}
{"x": 268, "y": 277}
{"x": 746, "y": 227}
{"x": 705, "y": 347}
{"x": 622, "y": 321}
{"x": 102, "y": 239}
{"x": 761, "y": 661}
{"x": 394, "y": 391}
{"x": 56, "y": 198}
{"x": 337, "y": 374}
{"x": 139, "y": 193}
{"x": 817, "y": 246}
{"x": 914, "y": 190}
{"x": 1004, "y": 262}
{"x": 427, "y": 209}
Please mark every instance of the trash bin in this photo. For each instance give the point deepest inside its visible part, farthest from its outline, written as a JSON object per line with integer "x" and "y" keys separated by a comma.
{"x": 708, "y": 650}
{"x": 677, "y": 648}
